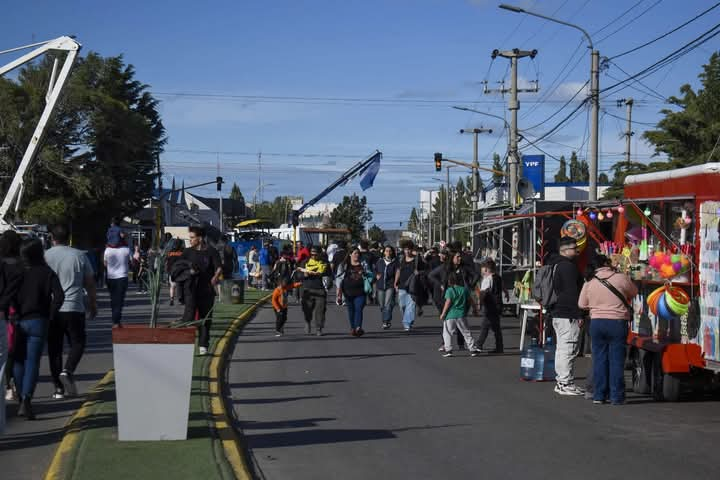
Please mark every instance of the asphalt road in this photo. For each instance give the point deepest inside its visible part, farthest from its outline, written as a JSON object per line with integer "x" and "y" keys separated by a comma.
{"x": 27, "y": 447}
{"x": 388, "y": 406}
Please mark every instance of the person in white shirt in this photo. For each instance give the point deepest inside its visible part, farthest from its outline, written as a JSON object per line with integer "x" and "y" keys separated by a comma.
{"x": 117, "y": 262}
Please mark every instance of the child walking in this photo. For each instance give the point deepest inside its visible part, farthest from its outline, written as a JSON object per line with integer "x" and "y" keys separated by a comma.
{"x": 280, "y": 304}
{"x": 453, "y": 316}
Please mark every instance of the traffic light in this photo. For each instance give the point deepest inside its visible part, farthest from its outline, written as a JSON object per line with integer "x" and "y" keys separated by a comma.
{"x": 438, "y": 162}
{"x": 219, "y": 183}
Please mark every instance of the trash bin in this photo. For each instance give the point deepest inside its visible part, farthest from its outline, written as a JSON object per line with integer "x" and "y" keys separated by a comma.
{"x": 237, "y": 291}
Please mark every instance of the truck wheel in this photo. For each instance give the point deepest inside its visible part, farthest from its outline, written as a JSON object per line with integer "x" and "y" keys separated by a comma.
{"x": 640, "y": 377}
{"x": 671, "y": 388}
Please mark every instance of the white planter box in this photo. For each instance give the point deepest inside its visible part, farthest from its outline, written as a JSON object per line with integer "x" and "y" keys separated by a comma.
{"x": 153, "y": 377}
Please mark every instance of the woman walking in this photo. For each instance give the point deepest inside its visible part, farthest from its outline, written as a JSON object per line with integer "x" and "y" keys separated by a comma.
{"x": 176, "y": 250}
{"x": 39, "y": 298}
{"x": 385, "y": 269}
{"x": 408, "y": 267}
{"x": 353, "y": 291}
{"x": 608, "y": 295}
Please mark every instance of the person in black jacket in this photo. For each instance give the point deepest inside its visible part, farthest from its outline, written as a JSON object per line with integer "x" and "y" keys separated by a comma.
{"x": 39, "y": 298}
{"x": 385, "y": 269}
{"x": 566, "y": 315}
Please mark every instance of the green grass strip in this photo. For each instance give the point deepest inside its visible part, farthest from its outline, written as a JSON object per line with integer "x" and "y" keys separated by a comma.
{"x": 100, "y": 455}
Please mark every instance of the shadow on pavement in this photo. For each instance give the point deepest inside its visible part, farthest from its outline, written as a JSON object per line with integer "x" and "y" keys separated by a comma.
{"x": 358, "y": 356}
{"x": 310, "y": 437}
{"x": 34, "y": 439}
{"x": 281, "y": 384}
{"x": 250, "y": 401}
{"x": 284, "y": 424}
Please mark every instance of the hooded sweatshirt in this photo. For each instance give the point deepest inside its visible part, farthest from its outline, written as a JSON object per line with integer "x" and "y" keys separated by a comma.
{"x": 567, "y": 282}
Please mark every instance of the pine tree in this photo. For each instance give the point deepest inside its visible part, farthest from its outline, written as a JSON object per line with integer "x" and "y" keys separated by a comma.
{"x": 413, "y": 222}
{"x": 603, "y": 179}
{"x": 497, "y": 165}
{"x": 561, "y": 175}
{"x": 584, "y": 172}
{"x": 574, "y": 168}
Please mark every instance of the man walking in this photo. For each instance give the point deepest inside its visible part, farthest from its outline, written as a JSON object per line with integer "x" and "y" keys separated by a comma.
{"x": 200, "y": 289}
{"x": 314, "y": 295}
{"x": 490, "y": 300}
{"x": 566, "y": 316}
{"x": 75, "y": 274}
{"x": 266, "y": 265}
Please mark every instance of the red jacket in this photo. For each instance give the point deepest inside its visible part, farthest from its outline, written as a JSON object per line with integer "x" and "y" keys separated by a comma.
{"x": 303, "y": 254}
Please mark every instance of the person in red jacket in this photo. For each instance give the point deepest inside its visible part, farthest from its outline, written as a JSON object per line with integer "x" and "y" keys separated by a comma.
{"x": 303, "y": 253}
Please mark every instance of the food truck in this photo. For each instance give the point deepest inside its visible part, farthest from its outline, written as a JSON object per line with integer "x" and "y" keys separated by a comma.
{"x": 671, "y": 247}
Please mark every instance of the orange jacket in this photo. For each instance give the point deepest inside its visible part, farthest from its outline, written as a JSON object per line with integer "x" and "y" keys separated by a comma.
{"x": 278, "y": 297}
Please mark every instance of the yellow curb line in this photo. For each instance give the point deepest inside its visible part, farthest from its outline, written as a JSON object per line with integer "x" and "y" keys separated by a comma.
{"x": 229, "y": 437}
{"x": 72, "y": 436}
{"x": 231, "y": 443}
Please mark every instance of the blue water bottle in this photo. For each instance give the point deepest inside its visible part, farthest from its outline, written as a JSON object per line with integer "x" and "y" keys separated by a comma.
{"x": 549, "y": 360}
{"x": 528, "y": 360}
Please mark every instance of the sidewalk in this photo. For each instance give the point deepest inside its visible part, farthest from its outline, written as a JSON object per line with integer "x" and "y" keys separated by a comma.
{"x": 27, "y": 447}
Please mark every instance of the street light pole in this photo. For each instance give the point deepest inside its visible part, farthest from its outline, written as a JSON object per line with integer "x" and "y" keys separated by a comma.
{"x": 594, "y": 94}
{"x": 475, "y": 182}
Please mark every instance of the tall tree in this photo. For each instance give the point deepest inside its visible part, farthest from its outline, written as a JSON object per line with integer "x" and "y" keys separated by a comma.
{"x": 603, "y": 179}
{"x": 276, "y": 211}
{"x": 376, "y": 234}
{"x": 689, "y": 135}
{"x": 584, "y": 171}
{"x": 497, "y": 165}
{"x": 574, "y": 168}
{"x": 561, "y": 175}
{"x": 413, "y": 223}
{"x": 235, "y": 193}
{"x": 99, "y": 156}
{"x": 352, "y": 213}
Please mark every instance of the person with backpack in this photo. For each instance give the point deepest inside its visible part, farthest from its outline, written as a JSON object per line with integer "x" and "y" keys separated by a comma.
{"x": 608, "y": 294}
{"x": 385, "y": 269}
{"x": 559, "y": 284}
{"x": 314, "y": 295}
{"x": 491, "y": 304}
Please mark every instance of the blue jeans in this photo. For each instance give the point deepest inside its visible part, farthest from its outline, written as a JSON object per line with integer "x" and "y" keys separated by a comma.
{"x": 407, "y": 304}
{"x": 608, "y": 354}
{"x": 117, "y": 288}
{"x": 31, "y": 336}
{"x": 386, "y": 302}
{"x": 355, "y": 306}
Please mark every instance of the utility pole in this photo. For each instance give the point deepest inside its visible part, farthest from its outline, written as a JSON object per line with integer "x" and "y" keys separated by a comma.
{"x": 475, "y": 183}
{"x": 448, "y": 233}
{"x": 595, "y": 121}
{"x": 628, "y": 132}
{"x": 513, "y": 106}
{"x": 222, "y": 223}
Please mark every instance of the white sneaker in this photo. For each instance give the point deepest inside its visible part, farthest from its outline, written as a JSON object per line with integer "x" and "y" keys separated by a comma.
{"x": 68, "y": 383}
{"x": 202, "y": 351}
{"x": 10, "y": 395}
{"x": 569, "y": 389}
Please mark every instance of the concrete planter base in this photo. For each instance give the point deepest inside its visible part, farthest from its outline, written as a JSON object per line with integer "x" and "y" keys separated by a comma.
{"x": 153, "y": 376}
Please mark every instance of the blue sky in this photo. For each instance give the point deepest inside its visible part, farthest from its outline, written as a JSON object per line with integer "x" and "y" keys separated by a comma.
{"x": 435, "y": 51}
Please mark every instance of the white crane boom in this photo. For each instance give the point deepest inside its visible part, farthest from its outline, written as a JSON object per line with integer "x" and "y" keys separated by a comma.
{"x": 72, "y": 48}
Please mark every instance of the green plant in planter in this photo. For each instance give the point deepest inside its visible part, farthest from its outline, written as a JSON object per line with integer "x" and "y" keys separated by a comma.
{"x": 154, "y": 279}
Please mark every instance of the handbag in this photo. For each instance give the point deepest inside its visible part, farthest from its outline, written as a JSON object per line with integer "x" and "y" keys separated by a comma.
{"x": 615, "y": 291}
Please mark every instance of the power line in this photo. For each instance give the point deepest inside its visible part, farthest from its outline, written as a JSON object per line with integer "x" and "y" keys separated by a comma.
{"x": 635, "y": 49}
{"x": 561, "y": 108}
{"x": 672, "y": 57}
{"x": 632, "y": 121}
{"x": 632, "y": 20}
{"x": 645, "y": 89}
{"x": 618, "y": 17}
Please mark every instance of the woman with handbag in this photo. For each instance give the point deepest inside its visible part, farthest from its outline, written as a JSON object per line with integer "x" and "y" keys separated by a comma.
{"x": 607, "y": 294}
{"x": 354, "y": 291}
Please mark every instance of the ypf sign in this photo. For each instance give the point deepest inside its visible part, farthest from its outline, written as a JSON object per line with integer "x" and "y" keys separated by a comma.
{"x": 534, "y": 172}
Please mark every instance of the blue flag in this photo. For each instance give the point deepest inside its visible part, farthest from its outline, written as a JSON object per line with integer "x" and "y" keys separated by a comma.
{"x": 370, "y": 174}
